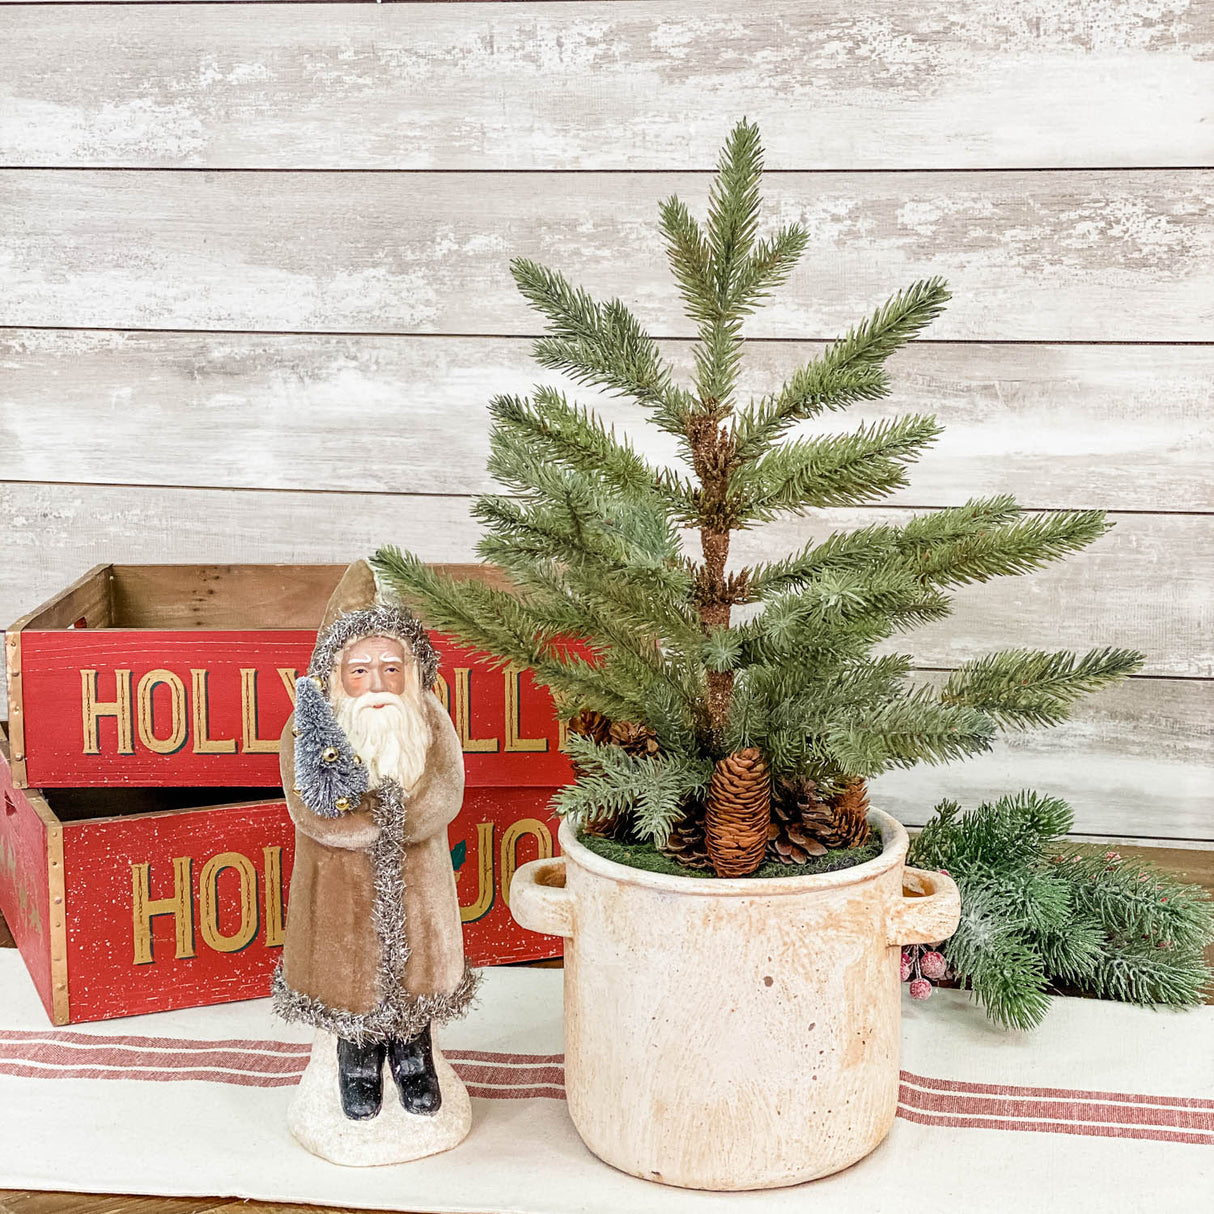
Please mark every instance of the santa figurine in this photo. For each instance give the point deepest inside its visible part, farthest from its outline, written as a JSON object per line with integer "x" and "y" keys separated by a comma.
{"x": 373, "y": 957}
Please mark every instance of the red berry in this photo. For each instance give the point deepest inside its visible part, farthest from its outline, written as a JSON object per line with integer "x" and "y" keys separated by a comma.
{"x": 907, "y": 968}
{"x": 933, "y": 965}
{"x": 920, "y": 989}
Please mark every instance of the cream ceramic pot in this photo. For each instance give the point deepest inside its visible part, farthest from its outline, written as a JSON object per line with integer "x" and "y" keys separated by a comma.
{"x": 733, "y": 1034}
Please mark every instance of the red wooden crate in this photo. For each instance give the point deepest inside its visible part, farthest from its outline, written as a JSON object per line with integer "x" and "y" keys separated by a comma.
{"x": 160, "y": 675}
{"x": 130, "y": 900}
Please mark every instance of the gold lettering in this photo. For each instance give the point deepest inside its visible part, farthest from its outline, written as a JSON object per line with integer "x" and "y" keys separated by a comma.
{"x": 273, "y": 866}
{"x": 143, "y": 695}
{"x": 204, "y": 744}
{"x": 484, "y": 875}
{"x": 562, "y": 735}
{"x": 463, "y": 716}
{"x": 92, "y": 708}
{"x": 289, "y": 674}
{"x": 253, "y": 745}
{"x": 510, "y": 842}
{"x": 208, "y": 902}
{"x": 443, "y": 692}
{"x": 144, "y": 907}
{"x": 514, "y": 714}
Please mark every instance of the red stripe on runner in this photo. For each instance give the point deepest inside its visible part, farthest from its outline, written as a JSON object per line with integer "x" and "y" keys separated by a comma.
{"x": 963, "y": 1104}
{"x": 489, "y": 1056}
{"x": 21, "y": 1071}
{"x": 1059, "y": 1127}
{"x": 473, "y": 1072}
{"x": 997, "y": 1089}
{"x": 301, "y": 1049}
{"x": 546, "y": 1093}
{"x": 134, "y": 1058}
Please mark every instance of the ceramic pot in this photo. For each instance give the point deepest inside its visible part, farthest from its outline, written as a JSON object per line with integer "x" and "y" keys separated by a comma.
{"x": 733, "y": 1034}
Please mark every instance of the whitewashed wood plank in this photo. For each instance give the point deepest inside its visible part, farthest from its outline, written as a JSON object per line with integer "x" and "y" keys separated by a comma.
{"x": 1037, "y": 256}
{"x": 1135, "y": 760}
{"x": 1144, "y": 585}
{"x": 889, "y": 84}
{"x": 1118, "y": 427}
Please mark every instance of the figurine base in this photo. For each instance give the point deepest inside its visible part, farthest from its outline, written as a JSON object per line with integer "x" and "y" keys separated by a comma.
{"x": 316, "y": 1119}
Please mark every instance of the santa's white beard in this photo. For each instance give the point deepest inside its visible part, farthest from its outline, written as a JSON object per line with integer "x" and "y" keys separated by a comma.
{"x": 391, "y": 740}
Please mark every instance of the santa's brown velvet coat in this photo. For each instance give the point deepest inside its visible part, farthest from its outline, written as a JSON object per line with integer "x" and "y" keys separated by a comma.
{"x": 331, "y": 952}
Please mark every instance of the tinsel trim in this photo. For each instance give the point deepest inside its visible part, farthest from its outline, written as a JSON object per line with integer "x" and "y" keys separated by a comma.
{"x": 396, "y": 1014}
{"x": 405, "y": 1018}
{"x": 380, "y": 620}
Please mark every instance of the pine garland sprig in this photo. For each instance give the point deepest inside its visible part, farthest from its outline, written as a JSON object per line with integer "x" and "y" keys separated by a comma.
{"x": 1134, "y": 899}
{"x": 1038, "y": 910}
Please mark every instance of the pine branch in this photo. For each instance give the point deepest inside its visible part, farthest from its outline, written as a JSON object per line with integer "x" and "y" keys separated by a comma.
{"x": 733, "y": 211}
{"x": 850, "y": 369}
{"x": 1026, "y": 687}
{"x": 995, "y": 550}
{"x": 813, "y": 389}
{"x": 836, "y": 470}
{"x": 1151, "y": 976}
{"x": 601, "y": 344}
{"x": 1001, "y": 837}
{"x": 575, "y": 437}
{"x": 690, "y": 260}
{"x": 505, "y": 629}
{"x": 842, "y": 551}
{"x": 897, "y": 321}
{"x": 611, "y": 781}
{"x": 1133, "y": 899}
{"x": 819, "y": 616}
{"x": 991, "y": 955}
{"x": 903, "y": 732}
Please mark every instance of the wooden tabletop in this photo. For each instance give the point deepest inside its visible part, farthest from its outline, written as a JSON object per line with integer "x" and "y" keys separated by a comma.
{"x": 1195, "y": 865}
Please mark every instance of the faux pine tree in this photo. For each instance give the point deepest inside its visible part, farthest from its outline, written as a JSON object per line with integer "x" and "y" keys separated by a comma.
{"x": 633, "y": 561}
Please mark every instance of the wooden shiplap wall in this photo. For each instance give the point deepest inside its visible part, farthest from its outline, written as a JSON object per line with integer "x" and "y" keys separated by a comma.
{"x": 255, "y": 291}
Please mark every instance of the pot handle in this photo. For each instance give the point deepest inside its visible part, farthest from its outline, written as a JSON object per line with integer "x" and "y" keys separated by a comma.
{"x": 539, "y": 900}
{"x": 930, "y": 916}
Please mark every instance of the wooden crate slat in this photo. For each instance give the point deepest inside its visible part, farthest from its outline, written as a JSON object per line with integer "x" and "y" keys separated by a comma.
{"x": 1076, "y": 255}
{"x": 926, "y": 83}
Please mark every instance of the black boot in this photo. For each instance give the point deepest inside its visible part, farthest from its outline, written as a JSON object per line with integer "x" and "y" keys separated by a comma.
{"x": 412, "y": 1065}
{"x": 360, "y": 1078}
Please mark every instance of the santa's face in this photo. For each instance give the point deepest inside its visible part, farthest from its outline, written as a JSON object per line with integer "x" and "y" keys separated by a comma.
{"x": 377, "y": 699}
{"x": 378, "y": 664}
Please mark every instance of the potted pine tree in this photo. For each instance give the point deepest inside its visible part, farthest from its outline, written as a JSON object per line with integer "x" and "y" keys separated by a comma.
{"x": 734, "y": 908}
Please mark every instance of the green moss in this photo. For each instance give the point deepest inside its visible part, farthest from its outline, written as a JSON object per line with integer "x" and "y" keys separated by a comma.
{"x": 647, "y": 857}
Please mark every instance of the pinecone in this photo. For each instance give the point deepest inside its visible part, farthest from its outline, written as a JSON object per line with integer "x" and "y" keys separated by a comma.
{"x": 590, "y": 724}
{"x": 686, "y": 842}
{"x": 634, "y": 739}
{"x": 849, "y": 827}
{"x": 738, "y": 813}
{"x": 796, "y": 809}
{"x": 804, "y": 823}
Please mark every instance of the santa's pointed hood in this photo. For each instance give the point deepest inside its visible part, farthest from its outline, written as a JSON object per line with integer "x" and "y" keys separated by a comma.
{"x": 358, "y": 608}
